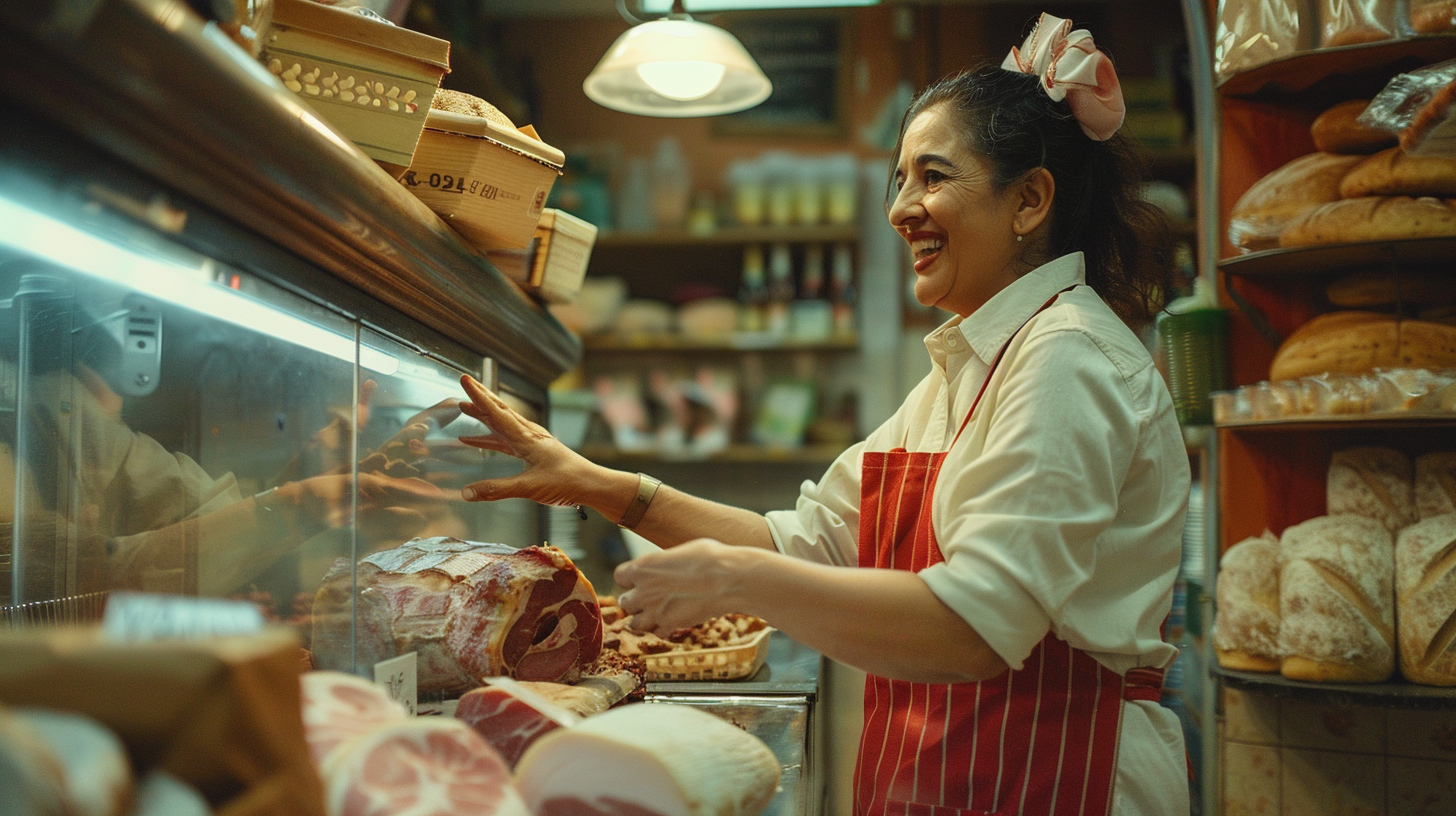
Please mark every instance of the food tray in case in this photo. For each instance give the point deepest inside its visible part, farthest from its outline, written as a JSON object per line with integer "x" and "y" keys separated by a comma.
{"x": 721, "y": 663}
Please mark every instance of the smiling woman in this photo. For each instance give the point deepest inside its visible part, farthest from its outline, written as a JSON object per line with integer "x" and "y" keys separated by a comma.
{"x": 1023, "y": 508}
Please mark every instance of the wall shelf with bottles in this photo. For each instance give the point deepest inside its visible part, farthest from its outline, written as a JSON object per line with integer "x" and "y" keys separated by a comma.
{"x": 819, "y": 233}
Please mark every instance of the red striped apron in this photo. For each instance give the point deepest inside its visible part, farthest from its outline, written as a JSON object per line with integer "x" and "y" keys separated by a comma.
{"x": 1041, "y": 740}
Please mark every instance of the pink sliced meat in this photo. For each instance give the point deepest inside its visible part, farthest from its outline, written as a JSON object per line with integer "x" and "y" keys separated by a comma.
{"x": 425, "y": 766}
{"x": 338, "y": 707}
{"x": 469, "y": 610}
{"x": 503, "y": 720}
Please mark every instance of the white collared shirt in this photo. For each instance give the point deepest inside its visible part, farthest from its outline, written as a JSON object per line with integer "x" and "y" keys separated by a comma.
{"x": 1060, "y": 508}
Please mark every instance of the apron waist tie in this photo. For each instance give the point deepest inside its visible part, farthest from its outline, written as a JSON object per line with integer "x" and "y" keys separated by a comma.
{"x": 1143, "y": 683}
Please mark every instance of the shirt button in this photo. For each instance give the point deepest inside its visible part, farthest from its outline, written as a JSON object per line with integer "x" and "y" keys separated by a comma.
{"x": 951, "y": 341}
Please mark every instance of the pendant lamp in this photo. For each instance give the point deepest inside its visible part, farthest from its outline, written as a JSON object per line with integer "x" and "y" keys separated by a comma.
{"x": 677, "y": 67}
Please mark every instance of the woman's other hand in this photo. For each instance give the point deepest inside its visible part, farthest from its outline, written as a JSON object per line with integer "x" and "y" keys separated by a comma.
{"x": 681, "y": 587}
{"x": 554, "y": 474}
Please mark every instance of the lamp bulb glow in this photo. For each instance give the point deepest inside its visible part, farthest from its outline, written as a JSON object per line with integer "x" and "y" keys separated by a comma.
{"x": 683, "y": 79}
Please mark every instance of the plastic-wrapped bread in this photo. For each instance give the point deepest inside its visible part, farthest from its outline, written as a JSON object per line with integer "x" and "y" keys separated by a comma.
{"x": 1435, "y": 486}
{"x": 649, "y": 759}
{"x": 1373, "y": 482}
{"x": 1336, "y": 601}
{"x": 1246, "y": 632}
{"x": 1425, "y": 599}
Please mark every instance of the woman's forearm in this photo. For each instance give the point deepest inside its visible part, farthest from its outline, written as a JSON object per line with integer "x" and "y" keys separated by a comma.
{"x": 885, "y": 622}
{"x": 674, "y": 516}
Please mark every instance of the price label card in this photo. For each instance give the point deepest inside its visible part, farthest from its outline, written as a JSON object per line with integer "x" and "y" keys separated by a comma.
{"x": 137, "y": 616}
{"x": 399, "y": 677}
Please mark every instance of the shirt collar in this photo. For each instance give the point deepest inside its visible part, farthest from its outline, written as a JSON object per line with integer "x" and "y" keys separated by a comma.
{"x": 988, "y": 328}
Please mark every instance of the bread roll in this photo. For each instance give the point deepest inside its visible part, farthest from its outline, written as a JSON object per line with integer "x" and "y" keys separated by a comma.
{"x": 1337, "y": 131}
{"x": 1371, "y": 218}
{"x": 460, "y": 102}
{"x": 1425, "y": 599}
{"x": 1432, "y": 16}
{"x": 1382, "y": 288}
{"x": 1372, "y": 482}
{"x": 1435, "y": 484}
{"x": 1395, "y": 172}
{"x": 1336, "y": 601}
{"x": 1264, "y": 210}
{"x": 1246, "y": 633}
{"x": 1356, "y": 342}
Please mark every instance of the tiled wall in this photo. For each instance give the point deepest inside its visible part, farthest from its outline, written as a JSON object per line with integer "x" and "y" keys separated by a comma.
{"x": 1288, "y": 756}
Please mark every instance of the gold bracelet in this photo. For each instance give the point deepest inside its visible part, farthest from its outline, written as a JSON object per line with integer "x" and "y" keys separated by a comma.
{"x": 646, "y": 490}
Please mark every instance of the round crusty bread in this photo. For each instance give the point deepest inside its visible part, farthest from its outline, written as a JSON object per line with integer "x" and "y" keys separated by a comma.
{"x": 1435, "y": 484}
{"x": 1395, "y": 172}
{"x": 1337, "y": 131}
{"x": 460, "y": 102}
{"x": 1425, "y": 599}
{"x": 1336, "y": 601}
{"x": 1264, "y": 210}
{"x": 1357, "y": 342}
{"x": 1246, "y": 632}
{"x": 1374, "y": 482}
{"x": 1372, "y": 218}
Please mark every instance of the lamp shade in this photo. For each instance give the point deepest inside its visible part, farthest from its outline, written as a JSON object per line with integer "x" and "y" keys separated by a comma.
{"x": 677, "y": 68}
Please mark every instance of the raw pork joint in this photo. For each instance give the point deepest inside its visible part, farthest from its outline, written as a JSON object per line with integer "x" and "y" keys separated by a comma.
{"x": 424, "y": 766}
{"x": 469, "y": 610}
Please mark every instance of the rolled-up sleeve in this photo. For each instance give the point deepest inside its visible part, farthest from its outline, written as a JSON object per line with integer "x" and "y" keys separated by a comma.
{"x": 824, "y": 524}
{"x": 1019, "y": 511}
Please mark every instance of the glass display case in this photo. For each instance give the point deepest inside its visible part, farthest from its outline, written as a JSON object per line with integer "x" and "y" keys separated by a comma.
{"x": 228, "y": 343}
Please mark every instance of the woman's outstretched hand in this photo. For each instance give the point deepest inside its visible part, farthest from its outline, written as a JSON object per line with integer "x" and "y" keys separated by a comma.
{"x": 554, "y": 474}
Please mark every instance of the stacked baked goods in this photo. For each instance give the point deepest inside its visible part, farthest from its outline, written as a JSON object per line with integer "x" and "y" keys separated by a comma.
{"x": 1349, "y": 596}
{"x": 1358, "y": 186}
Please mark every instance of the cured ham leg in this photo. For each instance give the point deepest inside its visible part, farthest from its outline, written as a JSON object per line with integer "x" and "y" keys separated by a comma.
{"x": 648, "y": 759}
{"x": 469, "y": 611}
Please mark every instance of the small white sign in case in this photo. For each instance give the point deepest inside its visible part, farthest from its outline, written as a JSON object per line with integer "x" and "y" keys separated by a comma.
{"x": 399, "y": 678}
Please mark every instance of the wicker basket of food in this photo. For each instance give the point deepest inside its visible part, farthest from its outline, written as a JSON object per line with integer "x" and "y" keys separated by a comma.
{"x": 721, "y": 663}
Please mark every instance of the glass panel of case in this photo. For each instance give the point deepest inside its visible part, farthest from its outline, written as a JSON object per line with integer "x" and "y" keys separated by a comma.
{"x": 169, "y": 424}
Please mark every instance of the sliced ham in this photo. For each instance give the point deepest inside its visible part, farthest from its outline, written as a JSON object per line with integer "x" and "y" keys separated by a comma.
{"x": 469, "y": 611}
{"x": 424, "y": 766}
{"x": 338, "y": 707}
{"x": 510, "y": 718}
{"x": 648, "y": 759}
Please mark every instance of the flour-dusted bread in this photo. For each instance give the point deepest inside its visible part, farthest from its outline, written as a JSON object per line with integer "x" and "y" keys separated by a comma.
{"x": 1338, "y": 131}
{"x": 1267, "y": 208}
{"x": 1373, "y": 482}
{"x": 1394, "y": 172}
{"x": 1435, "y": 485}
{"x": 1371, "y": 218}
{"x": 1336, "y": 601}
{"x": 1358, "y": 342}
{"x": 1246, "y": 631}
{"x": 1425, "y": 600}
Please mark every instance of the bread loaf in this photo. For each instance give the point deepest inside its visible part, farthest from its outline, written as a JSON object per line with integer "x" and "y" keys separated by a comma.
{"x": 1336, "y": 601}
{"x": 1425, "y": 598}
{"x": 1394, "y": 172}
{"x": 1263, "y": 212}
{"x": 1357, "y": 342}
{"x": 1246, "y": 632}
{"x": 446, "y": 99}
{"x": 1337, "y": 131}
{"x": 1371, "y": 218}
{"x": 1367, "y": 288}
{"x": 1435, "y": 484}
{"x": 1372, "y": 482}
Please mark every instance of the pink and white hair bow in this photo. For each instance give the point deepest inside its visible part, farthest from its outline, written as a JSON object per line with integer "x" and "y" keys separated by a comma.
{"x": 1070, "y": 67}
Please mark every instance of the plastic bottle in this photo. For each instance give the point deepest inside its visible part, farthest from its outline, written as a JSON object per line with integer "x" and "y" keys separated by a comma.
{"x": 811, "y": 316}
{"x": 780, "y": 289}
{"x": 672, "y": 184}
{"x": 752, "y": 290}
{"x": 842, "y": 294}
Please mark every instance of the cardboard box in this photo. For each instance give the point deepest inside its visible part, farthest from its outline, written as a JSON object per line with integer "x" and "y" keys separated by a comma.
{"x": 371, "y": 80}
{"x": 488, "y": 181}
{"x": 554, "y": 264}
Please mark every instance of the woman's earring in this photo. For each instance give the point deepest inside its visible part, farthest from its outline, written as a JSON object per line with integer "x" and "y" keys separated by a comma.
{"x": 1018, "y": 239}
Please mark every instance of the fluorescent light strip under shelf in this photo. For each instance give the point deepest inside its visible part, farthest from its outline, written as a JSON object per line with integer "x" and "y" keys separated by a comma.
{"x": 170, "y": 282}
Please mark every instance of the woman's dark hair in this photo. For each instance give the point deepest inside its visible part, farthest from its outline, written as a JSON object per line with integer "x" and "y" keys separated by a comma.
{"x": 1097, "y": 209}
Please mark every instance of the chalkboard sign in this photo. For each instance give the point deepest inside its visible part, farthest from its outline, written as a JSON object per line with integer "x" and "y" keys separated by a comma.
{"x": 804, "y": 57}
